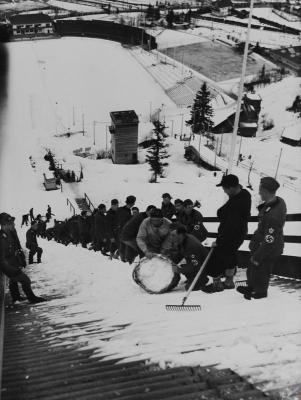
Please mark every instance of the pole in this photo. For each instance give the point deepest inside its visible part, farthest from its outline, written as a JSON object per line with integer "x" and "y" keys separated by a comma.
{"x": 182, "y": 63}
{"x": 238, "y": 157}
{"x": 215, "y": 152}
{"x": 240, "y": 92}
{"x": 182, "y": 122}
{"x": 73, "y": 116}
{"x": 83, "y": 122}
{"x": 278, "y": 163}
{"x": 220, "y": 149}
{"x": 94, "y": 124}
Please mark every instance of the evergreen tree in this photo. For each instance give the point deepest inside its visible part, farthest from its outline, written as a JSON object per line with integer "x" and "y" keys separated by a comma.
{"x": 157, "y": 151}
{"x": 201, "y": 111}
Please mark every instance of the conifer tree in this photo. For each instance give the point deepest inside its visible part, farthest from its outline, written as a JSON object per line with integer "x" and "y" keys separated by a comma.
{"x": 157, "y": 152}
{"x": 201, "y": 111}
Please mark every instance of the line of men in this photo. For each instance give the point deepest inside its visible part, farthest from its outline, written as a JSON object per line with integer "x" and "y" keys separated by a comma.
{"x": 177, "y": 231}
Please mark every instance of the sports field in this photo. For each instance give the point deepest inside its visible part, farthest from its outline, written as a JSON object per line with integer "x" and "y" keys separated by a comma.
{"x": 214, "y": 60}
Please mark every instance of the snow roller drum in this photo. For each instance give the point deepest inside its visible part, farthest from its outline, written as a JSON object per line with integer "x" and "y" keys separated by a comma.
{"x": 155, "y": 276}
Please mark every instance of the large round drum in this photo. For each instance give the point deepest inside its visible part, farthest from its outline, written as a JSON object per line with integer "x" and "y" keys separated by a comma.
{"x": 155, "y": 275}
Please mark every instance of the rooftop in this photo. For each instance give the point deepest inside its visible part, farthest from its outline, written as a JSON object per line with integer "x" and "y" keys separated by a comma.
{"x": 22, "y": 19}
{"x": 124, "y": 117}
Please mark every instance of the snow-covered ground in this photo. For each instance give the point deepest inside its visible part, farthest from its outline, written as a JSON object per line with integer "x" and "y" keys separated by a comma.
{"x": 249, "y": 337}
{"x": 86, "y": 74}
{"x": 74, "y": 6}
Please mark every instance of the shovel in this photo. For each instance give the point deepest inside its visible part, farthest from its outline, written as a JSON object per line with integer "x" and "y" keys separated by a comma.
{"x": 192, "y": 307}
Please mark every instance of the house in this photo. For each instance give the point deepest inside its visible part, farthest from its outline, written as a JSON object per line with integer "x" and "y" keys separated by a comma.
{"x": 292, "y": 135}
{"x": 289, "y": 57}
{"x": 31, "y": 25}
{"x": 222, "y": 8}
{"x": 124, "y": 135}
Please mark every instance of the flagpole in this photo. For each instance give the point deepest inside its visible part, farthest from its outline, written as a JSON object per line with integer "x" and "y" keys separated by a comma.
{"x": 240, "y": 92}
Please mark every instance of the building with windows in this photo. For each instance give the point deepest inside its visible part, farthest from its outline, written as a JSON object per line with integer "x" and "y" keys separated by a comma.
{"x": 222, "y": 8}
{"x": 124, "y": 137}
{"x": 31, "y": 25}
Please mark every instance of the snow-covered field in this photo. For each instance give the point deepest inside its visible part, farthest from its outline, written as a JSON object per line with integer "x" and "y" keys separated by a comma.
{"x": 50, "y": 79}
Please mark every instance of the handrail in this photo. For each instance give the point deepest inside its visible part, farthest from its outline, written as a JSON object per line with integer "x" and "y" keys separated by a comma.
{"x": 287, "y": 238}
{"x": 71, "y": 206}
{"x": 89, "y": 202}
{"x": 2, "y": 309}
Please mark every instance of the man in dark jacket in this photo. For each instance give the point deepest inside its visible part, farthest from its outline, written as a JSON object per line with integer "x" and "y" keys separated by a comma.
{"x": 129, "y": 234}
{"x": 85, "y": 228}
{"x": 184, "y": 245}
{"x": 267, "y": 242}
{"x": 192, "y": 220}
{"x": 167, "y": 208}
{"x": 12, "y": 260}
{"x": 232, "y": 231}
{"x": 32, "y": 244}
{"x": 179, "y": 209}
{"x": 112, "y": 225}
{"x": 124, "y": 214}
{"x": 101, "y": 237}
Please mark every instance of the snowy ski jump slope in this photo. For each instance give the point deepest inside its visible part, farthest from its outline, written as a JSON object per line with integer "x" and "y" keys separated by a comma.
{"x": 257, "y": 339}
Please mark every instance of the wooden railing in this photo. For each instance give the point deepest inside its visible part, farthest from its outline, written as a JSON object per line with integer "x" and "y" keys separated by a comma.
{"x": 71, "y": 206}
{"x": 89, "y": 202}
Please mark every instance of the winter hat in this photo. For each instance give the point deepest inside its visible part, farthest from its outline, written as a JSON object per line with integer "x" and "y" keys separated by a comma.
{"x": 187, "y": 202}
{"x": 166, "y": 195}
{"x": 150, "y": 207}
{"x": 269, "y": 183}
{"x": 101, "y": 206}
{"x": 156, "y": 213}
{"x": 229, "y": 181}
{"x": 5, "y": 218}
{"x": 114, "y": 202}
{"x": 130, "y": 200}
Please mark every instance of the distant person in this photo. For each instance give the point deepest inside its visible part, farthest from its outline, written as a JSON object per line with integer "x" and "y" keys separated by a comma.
{"x": 124, "y": 214}
{"x": 233, "y": 219}
{"x": 31, "y": 215}
{"x": 25, "y": 220}
{"x": 167, "y": 208}
{"x": 101, "y": 239}
{"x": 12, "y": 260}
{"x": 192, "y": 220}
{"x": 32, "y": 243}
{"x": 267, "y": 242}
{"x": 129, "y": 234}
{"x": 112, "y": 225}
{"x": 135, "y": 211}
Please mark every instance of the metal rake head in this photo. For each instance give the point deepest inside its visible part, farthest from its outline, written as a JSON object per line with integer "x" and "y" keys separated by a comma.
{"x": 241, "y": 283}
{"x": 176, "y": 307}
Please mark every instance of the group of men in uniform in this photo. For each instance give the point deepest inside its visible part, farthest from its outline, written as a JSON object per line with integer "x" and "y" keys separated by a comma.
{"x": 177, "y": 231}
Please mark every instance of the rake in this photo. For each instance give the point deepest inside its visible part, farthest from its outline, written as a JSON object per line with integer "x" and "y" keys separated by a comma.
{"x": 191, "y": 307}
{"x": 241, "y": 283}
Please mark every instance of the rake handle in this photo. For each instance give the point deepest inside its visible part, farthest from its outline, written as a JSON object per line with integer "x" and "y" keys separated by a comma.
{"x": 198, "y": 275}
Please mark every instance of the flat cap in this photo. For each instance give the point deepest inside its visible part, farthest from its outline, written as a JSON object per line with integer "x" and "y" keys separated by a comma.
{"x": 229, "y": 181}
{"x": 130, "y": 200}
{"x": 269, "y": 184}
{"x": 156, "y": 213}
{"x": 187, "y": 202}
{"x": 166, "y": 195}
